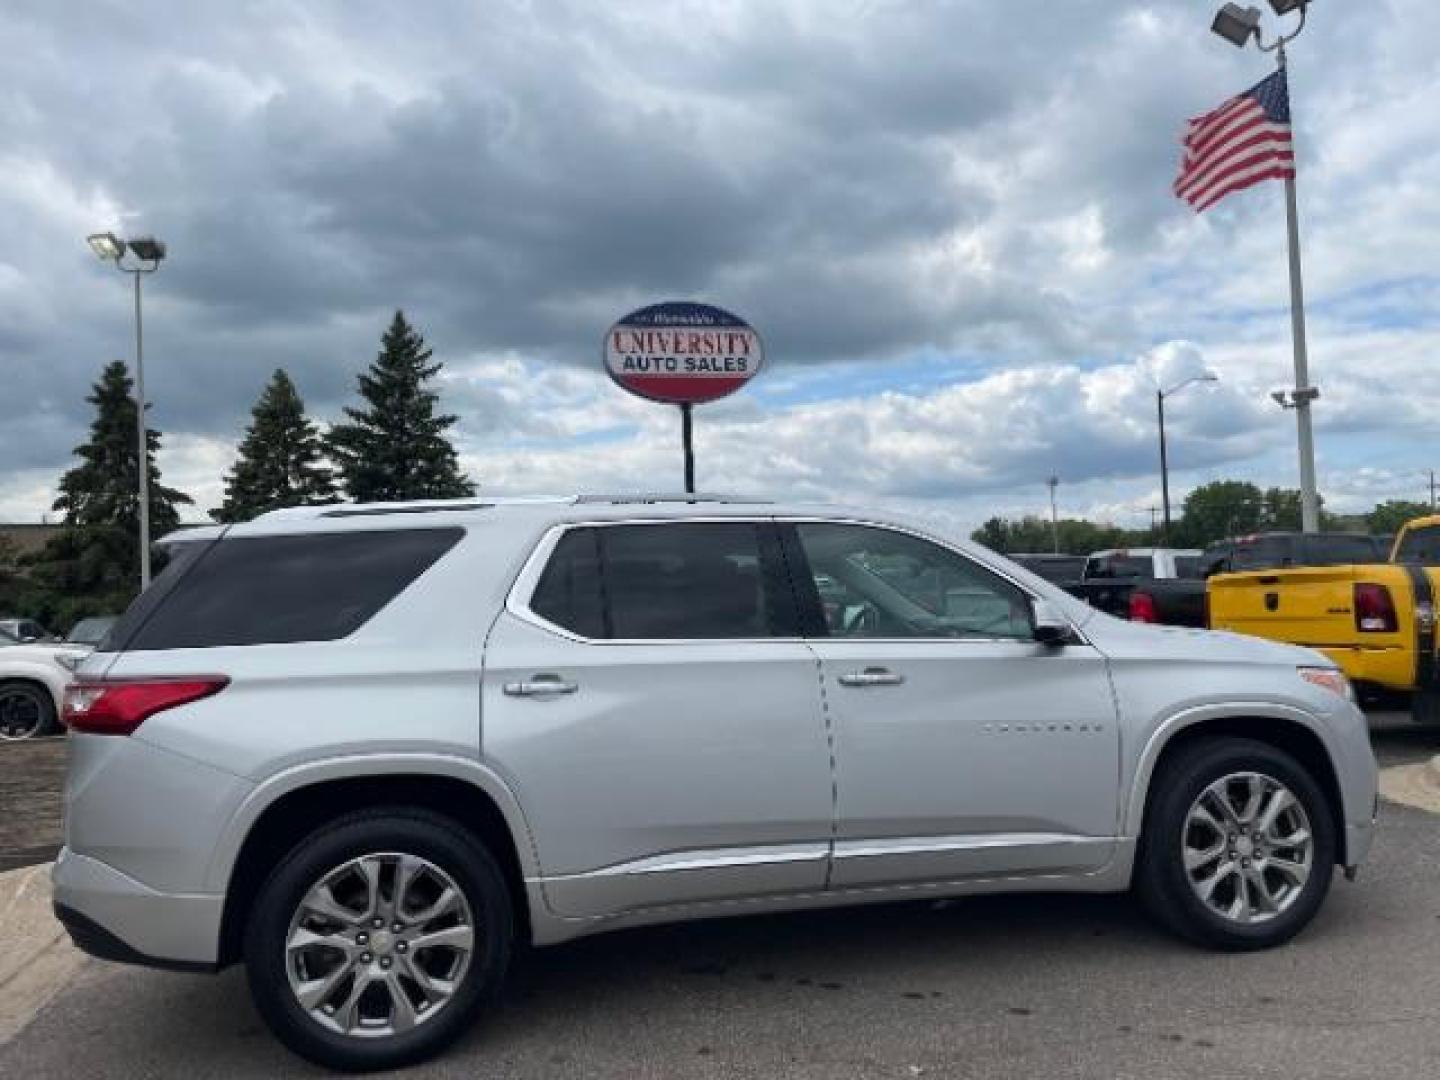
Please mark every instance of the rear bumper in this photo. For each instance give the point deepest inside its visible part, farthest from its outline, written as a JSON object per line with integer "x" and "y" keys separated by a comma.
{"x": 1392, "y": 668}
{"x": 114, "y": 917}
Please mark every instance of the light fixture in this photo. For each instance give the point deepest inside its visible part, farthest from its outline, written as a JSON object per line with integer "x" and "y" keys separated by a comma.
{"x": 1238, "y": 25}
{"x": 106, "y": 246}
{"x": 1284, "y": 7}
{"x": 147, "y": 248}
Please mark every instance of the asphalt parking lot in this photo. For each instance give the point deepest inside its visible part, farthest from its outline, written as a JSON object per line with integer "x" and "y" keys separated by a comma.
{"x": 1029, "y": 986}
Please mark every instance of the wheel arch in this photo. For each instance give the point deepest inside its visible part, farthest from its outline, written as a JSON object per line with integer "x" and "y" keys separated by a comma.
{"x": 295, "y": 812}
{"x": 1293, "y": 732}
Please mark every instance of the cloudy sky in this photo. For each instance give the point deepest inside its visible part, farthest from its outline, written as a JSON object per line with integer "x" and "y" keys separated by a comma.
{"x": 950, "y": 220}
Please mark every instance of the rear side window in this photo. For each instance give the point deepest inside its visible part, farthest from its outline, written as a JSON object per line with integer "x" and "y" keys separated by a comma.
{"x": 670, "y": 581}
{"x": 269, "y": 590}
{"x": 1121, "y": 566}
{"x": 1342, "y": 550}
{"x": 569, "y": 593}
{"x": 1188, "y": 567}
{"x": 1263, "y": 553}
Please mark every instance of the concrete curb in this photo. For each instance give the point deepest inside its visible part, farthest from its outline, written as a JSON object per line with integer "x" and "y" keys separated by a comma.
{"x": 1413, "y": 785}
{"x": 36, "y": 957}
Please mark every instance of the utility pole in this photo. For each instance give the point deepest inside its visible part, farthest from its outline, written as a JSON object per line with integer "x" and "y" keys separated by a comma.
{"x": 1432, "y": 489}
{"x": 1053, "y": 483}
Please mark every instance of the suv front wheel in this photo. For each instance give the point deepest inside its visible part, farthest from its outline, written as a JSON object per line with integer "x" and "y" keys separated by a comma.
{"x": 378, "y": 939}
{"x": 1238, "y": 847}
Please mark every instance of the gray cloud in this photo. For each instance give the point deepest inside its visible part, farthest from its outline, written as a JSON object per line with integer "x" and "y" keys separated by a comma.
{"x": 865, "y": 180}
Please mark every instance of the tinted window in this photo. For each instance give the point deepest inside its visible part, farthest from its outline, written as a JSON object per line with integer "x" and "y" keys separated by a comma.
{"x": 179, "y": 559}
{"x": 1121, "y": 566}
{"x": 568, "y": 594}
{"x": 1056, "y": 568}
{"x": 878, "y": 583}
{"x": 1263, "y": 553}
{"x": 1420, "y": 546}
{"x": 687, "y": 580}
{"x": 279, "y": 589}
{"x": 1188, "y": 566}
{"x": 1341, "y": 550}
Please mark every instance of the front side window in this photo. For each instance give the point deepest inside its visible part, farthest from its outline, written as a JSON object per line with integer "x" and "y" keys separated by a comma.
{"x": 665, "y": 581}
{"x": 878, "y": 583}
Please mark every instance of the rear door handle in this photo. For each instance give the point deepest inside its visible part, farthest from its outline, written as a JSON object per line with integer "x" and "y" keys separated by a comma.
{"x": 544, "y": 684}
{"x": 872, "y": 676}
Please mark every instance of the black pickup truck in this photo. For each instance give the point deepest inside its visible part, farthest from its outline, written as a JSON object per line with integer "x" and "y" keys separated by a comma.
{"x": 1181, "y": 601}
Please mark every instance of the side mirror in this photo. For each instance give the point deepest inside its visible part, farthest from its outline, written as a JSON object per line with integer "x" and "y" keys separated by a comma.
{"x": 1049, "y": 626}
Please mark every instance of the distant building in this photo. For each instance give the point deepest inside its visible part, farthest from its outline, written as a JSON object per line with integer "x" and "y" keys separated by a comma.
{"x": 28, "y": 537}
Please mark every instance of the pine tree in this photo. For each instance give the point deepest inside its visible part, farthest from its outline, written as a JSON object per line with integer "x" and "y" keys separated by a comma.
{"x": 396, "y": 449}
{"x": 281, "y": 458}
{"x": 103, "y": 489}
{"x": 92, "y": 566}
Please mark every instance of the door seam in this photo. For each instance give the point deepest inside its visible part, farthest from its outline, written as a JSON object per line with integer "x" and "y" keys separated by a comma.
{"x": 834, "y": 776}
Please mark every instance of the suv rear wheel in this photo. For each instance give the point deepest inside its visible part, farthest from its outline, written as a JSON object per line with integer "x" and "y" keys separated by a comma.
{"x": 1238, "y": 847}
{"x": 378, "y": 939}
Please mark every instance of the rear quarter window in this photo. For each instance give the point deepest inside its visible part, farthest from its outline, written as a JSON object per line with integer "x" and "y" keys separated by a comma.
{"x": 269, "y": 590}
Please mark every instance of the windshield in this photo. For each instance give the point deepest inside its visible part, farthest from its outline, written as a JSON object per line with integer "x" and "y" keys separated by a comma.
{"x": 1420, "y": 546}
{"x": 90, "y": 631}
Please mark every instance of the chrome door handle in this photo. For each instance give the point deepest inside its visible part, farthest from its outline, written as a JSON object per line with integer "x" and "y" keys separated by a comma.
{"x": 542, "y": 685}
{"x": 872, "y": 676}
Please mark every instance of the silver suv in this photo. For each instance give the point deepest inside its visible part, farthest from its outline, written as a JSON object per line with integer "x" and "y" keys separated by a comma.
{"x": 369, "y": 750}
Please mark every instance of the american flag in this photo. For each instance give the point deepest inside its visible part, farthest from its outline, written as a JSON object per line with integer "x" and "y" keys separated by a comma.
{"x": 1243, "y": 142}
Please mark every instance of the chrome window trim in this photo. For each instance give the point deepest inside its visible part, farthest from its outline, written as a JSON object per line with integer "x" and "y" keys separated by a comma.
{"x": 517, "y": 601}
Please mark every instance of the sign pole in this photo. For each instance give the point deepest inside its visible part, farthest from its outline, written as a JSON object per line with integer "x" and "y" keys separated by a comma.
{"x": 687, "y": 437}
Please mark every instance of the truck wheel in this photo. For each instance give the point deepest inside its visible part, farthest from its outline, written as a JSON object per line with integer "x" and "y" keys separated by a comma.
{"x": 378, "y": 940}
{"x": 26, "y": 710}
{"x": 1238, "y": 846}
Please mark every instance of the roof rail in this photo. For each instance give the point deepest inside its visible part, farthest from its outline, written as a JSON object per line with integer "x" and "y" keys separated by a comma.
{"x": 665, "y": 497}
{"x": 414, "y": 506}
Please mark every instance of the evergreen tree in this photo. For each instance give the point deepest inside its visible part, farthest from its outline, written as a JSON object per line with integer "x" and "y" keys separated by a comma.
{"x": 92, "y": 566}
{"x": 281, "y": 458}
{"x": 395, "y": 448}
{"x": 104, "y": 488}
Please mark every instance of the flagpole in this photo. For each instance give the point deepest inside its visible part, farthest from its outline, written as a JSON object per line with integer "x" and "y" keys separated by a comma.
{"x": 1304, "y": 393}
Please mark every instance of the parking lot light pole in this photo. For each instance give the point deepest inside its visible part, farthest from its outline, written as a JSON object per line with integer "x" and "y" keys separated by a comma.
{"x": 1160, "y": 396}
{"x": 147, "y": 252}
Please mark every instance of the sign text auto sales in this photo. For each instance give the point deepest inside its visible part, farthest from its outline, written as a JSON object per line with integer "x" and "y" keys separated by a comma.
{"x": 682, "y": 352}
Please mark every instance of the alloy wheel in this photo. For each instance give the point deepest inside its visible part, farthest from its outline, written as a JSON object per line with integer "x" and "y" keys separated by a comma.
{"x": 22, "y": 713}
{"x": 379, "y": 945}
{"x": 1248, "y": 847}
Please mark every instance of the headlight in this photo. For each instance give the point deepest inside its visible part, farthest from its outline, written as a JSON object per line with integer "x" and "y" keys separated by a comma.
{"x": 1331, "y": 679}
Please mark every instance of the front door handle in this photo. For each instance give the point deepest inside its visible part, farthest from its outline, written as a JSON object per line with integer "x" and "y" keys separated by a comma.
{"x": 872, "y": 676}
{"x": 544, "y": 684}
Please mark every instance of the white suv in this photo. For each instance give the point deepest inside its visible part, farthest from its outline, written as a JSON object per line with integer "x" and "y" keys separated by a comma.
{"x": 369, "y": 749}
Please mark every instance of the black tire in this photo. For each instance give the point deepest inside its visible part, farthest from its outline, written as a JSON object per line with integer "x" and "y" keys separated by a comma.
{"x": 1161, "y": 879}
{"x": 391, "y": 830}
{"x": 27, "y": 710}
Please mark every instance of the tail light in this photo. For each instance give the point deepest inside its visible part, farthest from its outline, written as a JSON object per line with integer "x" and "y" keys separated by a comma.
{"x": 1374, "y": 609}
{"x": 1142, "y": 608}
{"x": 119, "y": 707}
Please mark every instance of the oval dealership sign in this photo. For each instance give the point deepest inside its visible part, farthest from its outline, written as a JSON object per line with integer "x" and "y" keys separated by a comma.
{"x": 682, "y": 353}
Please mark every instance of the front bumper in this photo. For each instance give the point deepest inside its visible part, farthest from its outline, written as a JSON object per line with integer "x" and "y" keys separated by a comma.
{"x": 115, "y": 917}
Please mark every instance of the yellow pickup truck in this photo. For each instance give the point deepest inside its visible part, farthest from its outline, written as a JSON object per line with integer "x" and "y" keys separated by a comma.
{"x": 1377, "y": 621}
